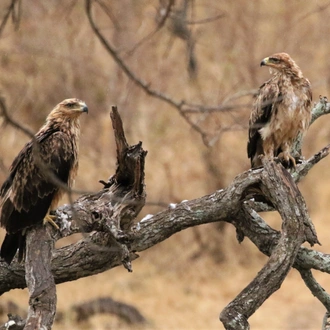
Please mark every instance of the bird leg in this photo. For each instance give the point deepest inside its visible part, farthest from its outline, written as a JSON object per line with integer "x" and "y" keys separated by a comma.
{"x": 286, "y": 159}
{"x": 268, "y": 147}
{"x": 50, "y": 219}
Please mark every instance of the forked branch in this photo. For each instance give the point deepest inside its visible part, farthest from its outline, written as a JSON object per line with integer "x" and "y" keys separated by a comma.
{"x": 279, "y": 187}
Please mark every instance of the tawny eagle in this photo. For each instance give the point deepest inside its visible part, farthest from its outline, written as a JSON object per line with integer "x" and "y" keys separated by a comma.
{"x": 32, "y": 188}
{"x": 281, "y": 111}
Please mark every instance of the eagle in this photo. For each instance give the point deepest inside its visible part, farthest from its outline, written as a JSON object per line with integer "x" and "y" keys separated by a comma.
{"x": 38, "y": 176}
{"x": 281, "y": 111}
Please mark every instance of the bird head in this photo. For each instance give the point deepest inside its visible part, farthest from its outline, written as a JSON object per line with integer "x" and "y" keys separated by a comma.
{"x": 69, "y": 108}
{"x": 280, "y": 62}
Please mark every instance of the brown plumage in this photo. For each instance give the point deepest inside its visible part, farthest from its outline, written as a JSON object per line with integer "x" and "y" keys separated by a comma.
{"x": 30, "y": 191}
{"x": 281, "y": 111}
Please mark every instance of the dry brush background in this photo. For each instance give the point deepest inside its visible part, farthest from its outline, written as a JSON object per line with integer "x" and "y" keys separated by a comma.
{"x": 48, "y": 52}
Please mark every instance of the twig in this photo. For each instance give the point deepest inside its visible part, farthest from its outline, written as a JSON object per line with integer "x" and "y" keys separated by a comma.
{"x": 318, "y": 292}
{"x": 315, "y": 288}
{"x": 108, "y": 306}
{"x": 303, "y": 169}
{"x": 206, "y": 20}
{"x": 11, "y": 11}
{"x": 4, "y": 113}
{"x": 321, "y": 108}
{"x": 160, "y": 25}
{"x": 108, "y": 13}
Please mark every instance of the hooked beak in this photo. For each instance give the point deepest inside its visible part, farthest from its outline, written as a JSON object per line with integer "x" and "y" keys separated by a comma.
{"x": 264, "y": 61}
{"x": 84, "y": 107}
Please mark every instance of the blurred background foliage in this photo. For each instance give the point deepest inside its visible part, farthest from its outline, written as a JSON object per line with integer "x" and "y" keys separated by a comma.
{"x": 204, "y": 53}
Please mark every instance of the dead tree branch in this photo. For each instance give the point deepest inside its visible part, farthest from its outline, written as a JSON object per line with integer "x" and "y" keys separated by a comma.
{"x": 39, "y": 278}
{"x": 99, "y": 251}
{"x": 96, "y": 252}
{"x": 102, "y": 249}
{"x": 284, "y": 194}
{"x": 108, "y": 306}
{"x": 315, "y": 288}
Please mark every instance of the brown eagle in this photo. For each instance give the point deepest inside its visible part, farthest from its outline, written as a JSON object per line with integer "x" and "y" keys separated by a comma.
{"x": 32, "y": 188}
{"x": 282, "y": 110}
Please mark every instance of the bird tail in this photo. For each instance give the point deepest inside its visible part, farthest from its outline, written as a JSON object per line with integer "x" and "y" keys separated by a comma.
{"x": 9, "y": 247}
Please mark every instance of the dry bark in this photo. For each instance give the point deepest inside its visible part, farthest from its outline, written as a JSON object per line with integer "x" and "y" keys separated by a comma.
{"x": 39, "y": 279}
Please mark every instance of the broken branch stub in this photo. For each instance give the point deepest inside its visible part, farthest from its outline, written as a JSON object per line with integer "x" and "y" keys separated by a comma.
{"x": 115, "y": 207}
{"x": 127, "y": 185}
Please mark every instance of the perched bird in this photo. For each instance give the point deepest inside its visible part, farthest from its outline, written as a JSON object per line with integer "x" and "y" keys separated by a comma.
{"x": 281, "y": 111}
{"x": 37, "y": 175}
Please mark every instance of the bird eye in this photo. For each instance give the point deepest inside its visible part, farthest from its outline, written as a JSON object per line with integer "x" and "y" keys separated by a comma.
{"x": 71, "y": 105}
{"x": 275, "y": 60}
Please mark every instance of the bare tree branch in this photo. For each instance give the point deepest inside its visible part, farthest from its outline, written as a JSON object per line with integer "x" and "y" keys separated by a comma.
{"x": 320, "y": 109}
{"x": 326, "y": 321}
{"x": 165, "y": 12}
{"x": 39, "y": 278}
{"x": 108, "y": 306}
{"x": 181, "y": 106}
{"x": 315, "y": 288}
{"x": 95, "y": 253}
{"x": 287, "y": 198}
{"x": 11, "y": 12}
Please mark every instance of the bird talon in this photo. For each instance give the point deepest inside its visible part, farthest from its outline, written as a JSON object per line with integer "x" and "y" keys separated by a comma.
{"x": 50, "y": 219}
{"x": 287, "y": 160}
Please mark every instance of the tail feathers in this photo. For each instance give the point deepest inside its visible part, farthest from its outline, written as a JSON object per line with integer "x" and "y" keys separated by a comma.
{"x": 9, "y": 247}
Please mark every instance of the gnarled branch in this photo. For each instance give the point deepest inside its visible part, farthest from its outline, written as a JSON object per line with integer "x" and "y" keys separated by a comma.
{"x": 113, "y": 240}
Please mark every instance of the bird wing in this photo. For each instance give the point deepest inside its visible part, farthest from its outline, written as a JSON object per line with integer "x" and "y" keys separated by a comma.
{"x": 29, "y": 190}
{"x": 264, "y": 107}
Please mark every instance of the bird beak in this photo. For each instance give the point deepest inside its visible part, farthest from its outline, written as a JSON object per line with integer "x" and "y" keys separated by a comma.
{"x": 84, "y": 107}
{"x": 264, "y": 61}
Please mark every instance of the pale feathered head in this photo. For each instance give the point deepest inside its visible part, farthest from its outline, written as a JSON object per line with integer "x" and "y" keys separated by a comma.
{"x": 282, "y": 62}
{"x": 69, "y": 108}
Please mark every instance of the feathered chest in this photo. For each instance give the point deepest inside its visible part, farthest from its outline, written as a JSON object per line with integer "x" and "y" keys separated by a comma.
{"x": 290, "y": 111}
{"x": 58, "y": 149}
{"x": 292, "y": 99}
